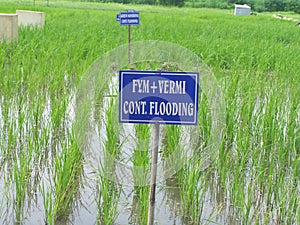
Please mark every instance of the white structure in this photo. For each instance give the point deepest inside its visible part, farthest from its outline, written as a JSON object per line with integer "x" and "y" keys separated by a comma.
{"x": 8, "y": 27}
{"x": 243, "y": 10}
{"x": 31, "y": 18}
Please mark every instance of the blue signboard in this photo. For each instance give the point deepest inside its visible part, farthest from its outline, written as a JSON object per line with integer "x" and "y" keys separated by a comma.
{"x": 158, "y": 97}
{"x": 130, "y": 17}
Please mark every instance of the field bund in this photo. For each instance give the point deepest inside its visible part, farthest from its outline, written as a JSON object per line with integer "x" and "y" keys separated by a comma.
{"x": 31, "y": 18}
{"x": 8, "y": 27}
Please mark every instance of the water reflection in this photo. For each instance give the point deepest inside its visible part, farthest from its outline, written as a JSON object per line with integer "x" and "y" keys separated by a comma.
{"x": 51, "y": 144}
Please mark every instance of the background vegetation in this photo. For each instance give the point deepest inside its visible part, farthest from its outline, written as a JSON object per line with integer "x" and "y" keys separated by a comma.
{"x": 256, "y": 5}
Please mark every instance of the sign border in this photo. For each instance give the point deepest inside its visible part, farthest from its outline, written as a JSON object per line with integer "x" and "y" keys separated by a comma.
{"x": 128, "y": 12}
{"x": 150, "y": 72}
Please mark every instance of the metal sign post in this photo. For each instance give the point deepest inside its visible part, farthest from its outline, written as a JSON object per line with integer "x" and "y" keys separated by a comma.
{"x": 128, "y": 18}
{"x": 154, "y": 159}
{"x": 128, "y": 44}
{"x": 158, "y": 98}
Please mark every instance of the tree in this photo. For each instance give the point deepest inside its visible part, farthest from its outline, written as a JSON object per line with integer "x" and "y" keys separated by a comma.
{"x": 295, "y": 6}
{"x": 274, "y": 5}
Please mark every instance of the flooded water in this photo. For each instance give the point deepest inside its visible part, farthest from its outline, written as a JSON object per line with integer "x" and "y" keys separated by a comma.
{"x": 85, "y": 209}
{"x": 167, "y": 209}
{"x": 215, "y": 209}
{"x": 37, "y": 173}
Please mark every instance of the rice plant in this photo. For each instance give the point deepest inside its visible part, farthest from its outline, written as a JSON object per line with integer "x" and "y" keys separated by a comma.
{"x": 255, "y": 171}
{"x": 108, "y": 188}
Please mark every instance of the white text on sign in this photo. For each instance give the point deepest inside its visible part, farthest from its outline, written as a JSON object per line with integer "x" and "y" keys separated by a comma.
{"x": 158, "y": 108}
{"x": 160, "y": 86}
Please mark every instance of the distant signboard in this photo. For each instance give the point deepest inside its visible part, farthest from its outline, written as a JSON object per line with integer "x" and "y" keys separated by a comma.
{"x": 158, "y": 97}
{"x": 130, "y": 17}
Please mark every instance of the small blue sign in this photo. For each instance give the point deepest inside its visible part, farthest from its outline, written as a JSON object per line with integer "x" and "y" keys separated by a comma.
{"x": 158, "y": 97}
{"x": 130, "y": 17}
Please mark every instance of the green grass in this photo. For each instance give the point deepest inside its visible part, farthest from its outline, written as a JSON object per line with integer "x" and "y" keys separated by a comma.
{"x": 255, "y": 61}
{"x": 108, "y": 189}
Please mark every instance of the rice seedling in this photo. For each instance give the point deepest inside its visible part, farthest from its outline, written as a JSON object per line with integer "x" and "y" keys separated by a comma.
{"x": 193, "y": 185}
{"x": 172, "y": 136}
{"x": 108, "y": 194}
{"x": 255, "y": 144}
{"x": 140, "y": 158}
{"x": 108, "y": 190}
{"x": 68, "y": 167}
{"x": 255, "y": 62}
{"x": 140, "y": 204}
{"x": 48, "y": 204}
{"x": 21, "y": 176}
{"x": 141, "y": 171}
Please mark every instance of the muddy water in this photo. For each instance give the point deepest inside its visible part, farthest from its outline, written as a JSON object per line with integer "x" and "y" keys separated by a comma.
{"x": 167, "y": 209}
{"x": 84, "y": 208}
{"x": 167, "y": 202}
